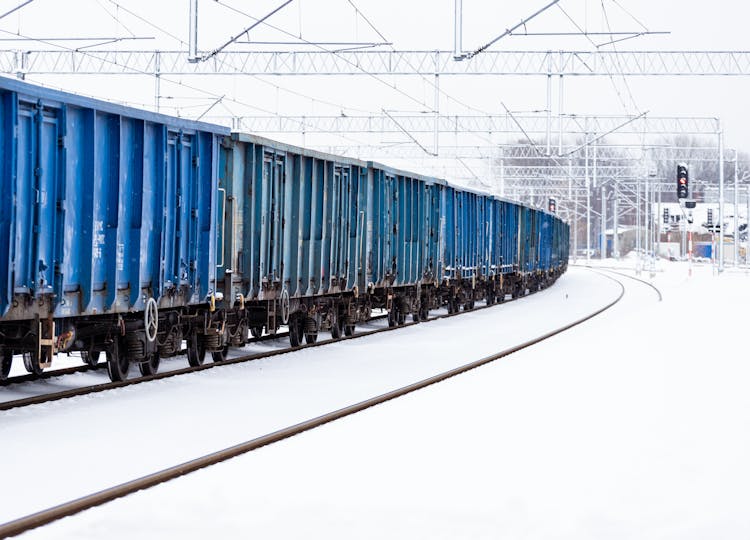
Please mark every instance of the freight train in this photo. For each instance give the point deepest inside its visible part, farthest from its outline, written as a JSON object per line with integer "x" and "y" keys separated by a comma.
{"x": 135, "y": 234}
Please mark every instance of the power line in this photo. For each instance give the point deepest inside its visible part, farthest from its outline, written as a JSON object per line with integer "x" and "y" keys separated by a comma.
{"x": 359, "y": 68}
{"x": 115, "y": 17}
{"x": 424, "y": 78}
{"x": 149, "y": 23}
{"x": 617, "y": 57}
{"x": 180, "y": 83}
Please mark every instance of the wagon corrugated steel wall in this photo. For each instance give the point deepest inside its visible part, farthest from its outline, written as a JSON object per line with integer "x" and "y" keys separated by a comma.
{"x": 294, "y": 220}
{"x": 102, "y": 206}
{"x": 405, "y": 227}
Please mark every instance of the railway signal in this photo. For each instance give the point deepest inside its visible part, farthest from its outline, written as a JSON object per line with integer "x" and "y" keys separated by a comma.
{"x": 682, "y": 181}
{"x": 552, "y": 206}
{"x": 666, "y": 216}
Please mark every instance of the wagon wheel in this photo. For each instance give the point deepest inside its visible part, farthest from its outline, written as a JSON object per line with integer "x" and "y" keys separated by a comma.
{"x": 150, "y": 366}
{"x": 349, "y": 327}
{"x": 242, "y": 334}
{"x": 416, "y": 316}
{"x": 424, "y": 312}
{"x": 6, "y": 360}
{"x": 296, "y": 330}
{"x": 223, "y": 340}
{"x": 196, "y": 351}
{"x": 336, "y": 325}
{"x": 311, "y": 330}
{"x": 117, "y": 362}
{"x": 393, "y": 316}
{"x": 490, "y": 297}
{"x": 31, "y": 361}
{"x": 256, "y": 331}
{"x": 90, "y": 358}
{"x": 220, "y": 356}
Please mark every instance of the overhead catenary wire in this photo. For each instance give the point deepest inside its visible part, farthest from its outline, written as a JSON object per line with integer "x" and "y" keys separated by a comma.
{"x": 584, "y": 32}
{"x": 617, "y": 60}
{"x": 425, "y": 79}
{"x": 245, "y": 31}
{"x": 115, "y": 17}
{"x": 268, "y": 83}
{"x": 208, "y": 93}
{"x": 356, "y": 66}
{"x": 149, "y": 23}
{"x": 16, "y": 8}
{"x": 257, "y": 78}
{"x": 630, "y": 15}
{"x": 510, "y": 30}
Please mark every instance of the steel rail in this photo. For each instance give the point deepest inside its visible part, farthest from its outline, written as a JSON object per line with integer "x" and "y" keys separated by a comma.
{"x": 52, "y": 374}
{"x": 92, "y": 389}
{"x": 623, "y": 274}
{"x": 55, "y": 513}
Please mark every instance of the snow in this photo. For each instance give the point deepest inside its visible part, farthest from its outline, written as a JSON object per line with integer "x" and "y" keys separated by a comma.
{"x": 630, "y": 426}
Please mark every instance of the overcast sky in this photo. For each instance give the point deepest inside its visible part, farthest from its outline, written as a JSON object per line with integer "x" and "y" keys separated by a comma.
{"x": 413, "y": 25}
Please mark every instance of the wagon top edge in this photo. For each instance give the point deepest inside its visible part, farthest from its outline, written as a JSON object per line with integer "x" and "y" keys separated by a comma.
{"x": 34, "y": 92}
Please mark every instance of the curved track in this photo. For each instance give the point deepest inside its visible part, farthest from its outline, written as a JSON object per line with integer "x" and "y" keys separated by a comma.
{"x": 623, "y": 274}
{"x": 66, "y": 509}
{"x": 102, "y": 387}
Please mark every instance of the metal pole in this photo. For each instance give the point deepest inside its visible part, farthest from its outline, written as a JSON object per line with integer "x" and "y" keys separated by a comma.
{"x": 575, "y": 227}
{"x": 502, "y": 176}
{"x": 721, "y": 199}
{"x": 560, "y": 112}
{"x": 549, "y": 105}
{"x": 652, "y": 224}
{"x": 736, "y": 257}
{"x": 157, "y": 80}
{"x": 638, "y": 225}
{"x": 491, "y": 164}
{"x": 647, "y": 218}
{"x": 588, "y": 204}
{"x": 615, "y": 240}
{"x": 457, "y": 43}
{"x": 437, "y": 114}
{"x": 575, "y": 209}
{"x": 658, "y": 223}
{"x": 603, "y": 238}
{"x": 193, "y": 33}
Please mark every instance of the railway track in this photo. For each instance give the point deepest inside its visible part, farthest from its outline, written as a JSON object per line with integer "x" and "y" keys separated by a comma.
{"x": 84, "y": 368}
{"x": 623, "y": 274}
{"x": 47, "y": 516}
{"x": 102, "y": 387}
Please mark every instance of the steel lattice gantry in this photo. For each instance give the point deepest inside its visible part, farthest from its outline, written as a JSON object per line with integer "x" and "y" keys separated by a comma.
{"x": 619, "y": 155}
{"x": 428, "y": 123}
{"x": 567, "y": 63}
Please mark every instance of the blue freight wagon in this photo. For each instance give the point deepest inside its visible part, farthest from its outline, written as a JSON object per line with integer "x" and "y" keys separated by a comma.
{"x": 131, "y": 233}
{"x": 105, "y": 227}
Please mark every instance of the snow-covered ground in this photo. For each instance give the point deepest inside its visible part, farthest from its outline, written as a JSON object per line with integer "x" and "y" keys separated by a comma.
{"x": 631, "y": 426}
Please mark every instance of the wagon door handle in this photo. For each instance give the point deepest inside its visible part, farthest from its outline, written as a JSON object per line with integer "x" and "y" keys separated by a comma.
{"x": 223, "y": 224}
